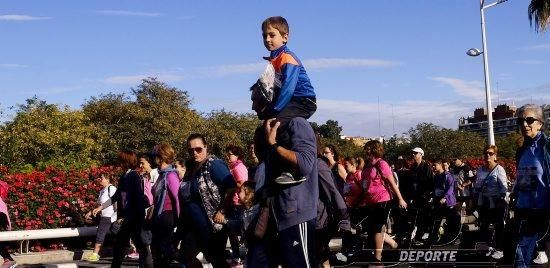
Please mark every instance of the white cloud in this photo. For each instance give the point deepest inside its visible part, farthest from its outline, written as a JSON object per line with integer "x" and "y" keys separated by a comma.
{"x": 472, "y": 89}
{"x": 334, "y": 63}
{"x": 246, "y": 68}
{"x": 186, "y": 17}
{"x": 540, "y": 47}
{"x": 11, "y": 65}
{"x": 136, "y": 79}
{"x": 14, "y": 17}
{"x": 310, "y": 64}
{"x": 361, "y": 119}
{"x": 530, "y": 62}
{"x": 128, "y": 13}
{"x": 226, "y": 70}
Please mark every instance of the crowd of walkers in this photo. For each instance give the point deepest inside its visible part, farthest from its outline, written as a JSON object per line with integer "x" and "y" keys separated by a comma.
{"x": 297, "y": 193}
{"x": 186, "y": 210}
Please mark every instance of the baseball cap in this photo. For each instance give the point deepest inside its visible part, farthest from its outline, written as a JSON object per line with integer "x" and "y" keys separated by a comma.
{"x": 418, "y": 150}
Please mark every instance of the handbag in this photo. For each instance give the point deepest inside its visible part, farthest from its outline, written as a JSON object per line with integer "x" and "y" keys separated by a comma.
{"x": 263, "y": 221}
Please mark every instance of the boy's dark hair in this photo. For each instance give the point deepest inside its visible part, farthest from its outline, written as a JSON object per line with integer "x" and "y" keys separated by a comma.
{"x": 276, "y": 22}
{"x": 236, "y": 150}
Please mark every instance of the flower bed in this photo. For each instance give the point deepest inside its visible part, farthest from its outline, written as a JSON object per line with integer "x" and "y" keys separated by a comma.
{"x": 51, "y": 198}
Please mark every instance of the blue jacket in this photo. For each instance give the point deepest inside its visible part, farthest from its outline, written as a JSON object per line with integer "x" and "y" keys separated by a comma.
{"x": 542, "y": 142}
{"x": 293, "y": 76}
{"x": 296, "y": 203}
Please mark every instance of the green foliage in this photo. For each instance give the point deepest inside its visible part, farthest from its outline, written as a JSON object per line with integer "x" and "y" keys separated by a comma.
{"x": 443, "y": 143}
{"x": 44, "y": 134}
{"x": 330, "y": 130}
{"x": 508, "y": 144}
{"x": 156, "y": 113}
{"x": 222, "y": 128}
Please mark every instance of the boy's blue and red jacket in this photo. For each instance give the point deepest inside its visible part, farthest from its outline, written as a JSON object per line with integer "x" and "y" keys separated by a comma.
{"x": 293, "y": 76}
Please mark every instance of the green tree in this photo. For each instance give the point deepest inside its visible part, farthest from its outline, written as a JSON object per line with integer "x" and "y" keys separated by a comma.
{"x": 330, "y": 130}
{"x": 155, "y": 112}
{"x": 443, "y": 143}
{"x": 539, "y": 13}
{"x": 43, "y": 134}
{"x": 222, "y": 128}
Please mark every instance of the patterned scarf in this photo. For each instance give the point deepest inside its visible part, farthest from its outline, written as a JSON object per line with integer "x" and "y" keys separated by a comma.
{"x": 209, "y": 192}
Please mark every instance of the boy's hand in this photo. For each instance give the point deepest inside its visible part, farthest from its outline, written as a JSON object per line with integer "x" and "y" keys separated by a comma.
{"x": 271, "y": 126}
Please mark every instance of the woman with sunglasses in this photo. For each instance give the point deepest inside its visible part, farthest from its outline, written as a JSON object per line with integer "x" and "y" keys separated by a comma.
{"x": 490, "y": 191}
{"x": 204, "y": 187}
{"x": 531, "y": 194}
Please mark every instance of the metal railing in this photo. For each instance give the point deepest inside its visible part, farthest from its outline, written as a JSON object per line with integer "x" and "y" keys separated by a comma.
{"x": 24, "y": 236}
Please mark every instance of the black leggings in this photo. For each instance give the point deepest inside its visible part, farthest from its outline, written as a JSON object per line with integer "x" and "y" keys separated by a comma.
{"x": 131, "y": 230}
{"x": 162, "y": 246}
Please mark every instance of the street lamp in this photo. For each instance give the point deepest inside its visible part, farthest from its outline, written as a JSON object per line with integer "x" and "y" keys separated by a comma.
{"x": 476, "y": 52}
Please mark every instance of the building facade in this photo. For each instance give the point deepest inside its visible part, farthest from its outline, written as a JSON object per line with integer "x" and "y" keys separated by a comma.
{"x": 504, "y": 120}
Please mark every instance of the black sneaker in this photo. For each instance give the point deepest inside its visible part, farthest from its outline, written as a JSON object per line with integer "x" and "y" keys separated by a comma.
{"x": 287, "y": 178}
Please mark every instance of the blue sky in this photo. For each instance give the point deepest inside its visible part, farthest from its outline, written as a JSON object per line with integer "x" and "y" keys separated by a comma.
{"x": 405, "y": 59}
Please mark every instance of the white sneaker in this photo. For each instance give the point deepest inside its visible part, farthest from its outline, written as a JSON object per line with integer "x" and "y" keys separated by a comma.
{"x": 341, "y": 257}
{"x": 490, "y": 251}
{"x": 425, "y": 236}
{"x": 541, "y": 258}
{"x": 413, "y": 233}
{"x": 497, "y": 255}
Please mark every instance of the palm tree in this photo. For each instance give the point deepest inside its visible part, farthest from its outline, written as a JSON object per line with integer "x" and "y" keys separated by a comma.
{"x": 539, "y": 12}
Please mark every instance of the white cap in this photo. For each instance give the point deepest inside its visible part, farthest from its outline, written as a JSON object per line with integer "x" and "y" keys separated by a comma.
{"x": 418, "y": 150}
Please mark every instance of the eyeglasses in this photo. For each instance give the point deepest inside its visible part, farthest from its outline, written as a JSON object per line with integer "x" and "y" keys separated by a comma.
{"x": 414, "y": 153}
{"x": 327, "y": 152}
{"x": 489, "y": 153}
{"x": 529, "y": 120}
{"x": 197, "y": 150}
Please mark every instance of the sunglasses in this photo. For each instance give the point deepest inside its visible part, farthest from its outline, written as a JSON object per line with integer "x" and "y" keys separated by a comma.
{"x": 490, "y": 153}
{"x": 414, "y": 153}
{"x": 197, "y": 150}
{"x": 529, "y": 120}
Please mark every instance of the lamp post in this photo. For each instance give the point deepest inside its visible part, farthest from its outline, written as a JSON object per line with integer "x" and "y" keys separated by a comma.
{"x": 475, "y": 52}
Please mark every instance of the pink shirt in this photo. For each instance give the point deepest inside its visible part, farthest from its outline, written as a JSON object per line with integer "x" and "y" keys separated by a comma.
{"x": 378, "y": 186}
{"x": 4, "y": 210}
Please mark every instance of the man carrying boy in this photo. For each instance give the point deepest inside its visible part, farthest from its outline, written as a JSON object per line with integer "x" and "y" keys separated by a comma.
{"x": 293, "y": 95}
{"x": 293, "y": 207}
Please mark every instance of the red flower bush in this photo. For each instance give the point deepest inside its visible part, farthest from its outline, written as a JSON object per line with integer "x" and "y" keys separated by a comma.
{"x": 52, "y": 198}
{"x": 508, "y": 165}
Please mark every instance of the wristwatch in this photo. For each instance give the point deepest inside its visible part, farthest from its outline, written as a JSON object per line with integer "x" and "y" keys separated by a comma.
{"x": 274, "y": 146}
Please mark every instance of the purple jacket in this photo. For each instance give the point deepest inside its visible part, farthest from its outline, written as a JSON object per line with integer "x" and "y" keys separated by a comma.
{"x": 445, "y": 187}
